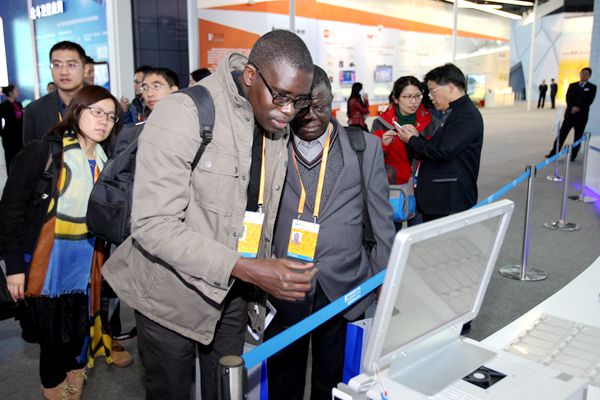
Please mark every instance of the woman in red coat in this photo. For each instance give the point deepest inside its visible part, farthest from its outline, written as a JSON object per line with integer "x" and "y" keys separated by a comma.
{"x": 358, "y": 107}
{"x": 405, "y": 108}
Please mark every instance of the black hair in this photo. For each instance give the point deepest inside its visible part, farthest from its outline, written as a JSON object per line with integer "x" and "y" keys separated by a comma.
{"x": 169, "y": 75}
{"x": 403, "y": 82}
{"x": 84, "y": 98}
{"x": 88, "y": 60}
{"x": 588, "y": 69}
{"x": 199, "y": 74}
{"x": 142, "y": 69}
{"x": 320, "y": 78}
{"x": 66, "y": 45}
{"x": 447, "y": 73}
{"x": 6, "y": 90}
{"x": 281, "y": 46}
{"x": 355, "y": 93}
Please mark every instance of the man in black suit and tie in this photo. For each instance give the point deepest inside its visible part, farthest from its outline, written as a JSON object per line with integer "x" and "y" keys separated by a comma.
{"x": 543, "y": 88}
{"x": 580, "y": 96}
{"x": 67, "y": 61}
{"x": 446, "y": 179}
{"x": 553, "y": 91}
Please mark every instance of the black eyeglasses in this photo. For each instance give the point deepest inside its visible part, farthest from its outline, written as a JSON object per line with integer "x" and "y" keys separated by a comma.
{"x": 284, "y": 99}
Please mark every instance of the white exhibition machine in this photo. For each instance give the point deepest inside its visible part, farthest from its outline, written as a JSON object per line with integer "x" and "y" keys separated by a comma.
{"x": 436, "y": 279}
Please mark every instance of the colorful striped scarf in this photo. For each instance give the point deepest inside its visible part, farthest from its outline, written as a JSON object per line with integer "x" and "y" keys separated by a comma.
{"x": 67, "y": 258}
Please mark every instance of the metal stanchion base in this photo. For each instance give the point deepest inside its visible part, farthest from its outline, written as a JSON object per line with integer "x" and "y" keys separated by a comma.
{"x": 584, "y": 199}
{"x": 514, "y": 272}
{"x": 563, "y": 226}
{"x": 554, "y": 178}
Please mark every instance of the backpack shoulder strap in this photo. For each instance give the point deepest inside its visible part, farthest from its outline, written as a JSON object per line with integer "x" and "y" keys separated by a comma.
{"x": 206, "y": 113}
{"x": 359, "y": 144}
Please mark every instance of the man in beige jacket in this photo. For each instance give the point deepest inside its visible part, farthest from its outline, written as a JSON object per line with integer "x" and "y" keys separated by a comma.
{"x": 181, "y": 270}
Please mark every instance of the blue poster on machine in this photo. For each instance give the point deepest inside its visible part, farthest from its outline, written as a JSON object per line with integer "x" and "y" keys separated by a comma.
{"x": 80, "y": 21}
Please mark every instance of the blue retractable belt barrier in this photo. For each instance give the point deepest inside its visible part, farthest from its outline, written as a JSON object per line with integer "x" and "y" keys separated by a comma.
{"x": 577, "y": 143}
{"x": 594, "y": 148}
{"x": 505, "y": 189}
{"x": 545, "y": 163}
{"x": 295, "y": 332}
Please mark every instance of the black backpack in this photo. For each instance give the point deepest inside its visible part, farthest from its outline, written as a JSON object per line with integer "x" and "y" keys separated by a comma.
{"x": 109, "y": 207}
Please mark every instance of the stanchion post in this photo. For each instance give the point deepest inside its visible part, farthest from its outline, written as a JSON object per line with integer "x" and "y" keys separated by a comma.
{"x": 522, "y": 272}
{"x": 581, "y": 197}
{"x": 231, "y": 378}
{"x": 562, "y": 223}
{"x": 555, "y": 177}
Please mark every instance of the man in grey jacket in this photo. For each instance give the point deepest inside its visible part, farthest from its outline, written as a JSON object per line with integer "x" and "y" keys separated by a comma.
{"x": 325, "y": 167}
{"x": 182, "y": 269}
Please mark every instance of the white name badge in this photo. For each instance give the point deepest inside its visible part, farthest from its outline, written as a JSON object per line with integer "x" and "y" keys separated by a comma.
{"x": 303, "y": 240}
{"x": 249, "y": 239}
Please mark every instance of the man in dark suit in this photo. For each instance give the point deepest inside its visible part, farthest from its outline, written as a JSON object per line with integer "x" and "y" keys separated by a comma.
{"x": 446, "y": 180}
{"x": 580, "y": 97}
{"x": 553, "y": 91}
{"x": 543, "y": 88}
{"x": 320, "y": 151}
{"x": 67, "y": 61}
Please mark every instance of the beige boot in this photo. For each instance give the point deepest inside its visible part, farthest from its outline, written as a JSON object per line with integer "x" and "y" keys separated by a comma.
{"x": 75, "y": 381}
{"x": 60, "y": 392}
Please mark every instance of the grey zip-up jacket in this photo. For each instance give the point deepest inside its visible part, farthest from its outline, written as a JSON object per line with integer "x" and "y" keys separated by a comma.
{"x": 176, "y": 267}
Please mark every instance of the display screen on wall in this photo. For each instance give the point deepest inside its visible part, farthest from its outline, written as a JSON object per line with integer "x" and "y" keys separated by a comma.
{"x": 81, "y": 21}
{"x": 101, "y": 77}
{"x": 347, "y": 77}
{"x": 384, "y": 73}
{"x": 476, "y": 86}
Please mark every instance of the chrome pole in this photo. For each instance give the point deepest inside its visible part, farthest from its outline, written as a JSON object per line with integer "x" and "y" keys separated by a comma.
{"x": 562, "y": 223}
{"x": 582, "y": 198}
{"x": 232, "y": 378}
{"x": 522, "y": 272}
{"x": 556, "y": 177}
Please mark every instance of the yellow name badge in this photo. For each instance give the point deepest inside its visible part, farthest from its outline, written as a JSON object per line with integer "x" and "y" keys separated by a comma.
{"x": 250, "y": 236}
{"x": 303, "y": 240}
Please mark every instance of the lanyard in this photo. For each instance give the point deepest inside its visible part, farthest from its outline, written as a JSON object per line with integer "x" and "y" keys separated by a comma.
{"x": 321, "y": 179}
{"x": 261, "y": 191}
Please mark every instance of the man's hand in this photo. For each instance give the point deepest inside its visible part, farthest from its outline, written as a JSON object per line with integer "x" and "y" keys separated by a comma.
{"x": 285, "y": 279}
{"x": 16, "y": 286}
{"x": 406, "y": 132}
{"x": 575, "y": 110}
{"x": 124, "y": 103}
{"x": 388, "y": 137}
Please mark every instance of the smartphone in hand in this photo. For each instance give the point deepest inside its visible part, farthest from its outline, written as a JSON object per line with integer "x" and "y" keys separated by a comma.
{"x": 397, "y": 125}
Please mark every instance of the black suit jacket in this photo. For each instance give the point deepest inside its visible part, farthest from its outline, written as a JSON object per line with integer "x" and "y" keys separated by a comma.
{"x": 447, "y": 176}
{"x": 553, "y": 89}
{"x": 40, "y": 116}
{"x": 12, "y": 126}
{"x": 581, "y": 97}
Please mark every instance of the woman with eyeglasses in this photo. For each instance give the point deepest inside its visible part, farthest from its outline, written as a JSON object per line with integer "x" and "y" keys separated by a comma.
{"x": 52, "y": 261}
{"x": 405, "y": 108}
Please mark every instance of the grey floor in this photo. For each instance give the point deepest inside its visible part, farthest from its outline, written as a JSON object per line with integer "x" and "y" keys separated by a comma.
{"x": 513, "y": 139}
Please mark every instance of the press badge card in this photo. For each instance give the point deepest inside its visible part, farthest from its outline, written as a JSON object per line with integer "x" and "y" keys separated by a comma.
{"x": 250, "y": 236}
{"x": 303, "y": 240}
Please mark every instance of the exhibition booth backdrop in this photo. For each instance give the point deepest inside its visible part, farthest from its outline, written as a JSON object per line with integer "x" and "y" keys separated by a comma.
{"x": 374, "y": 46}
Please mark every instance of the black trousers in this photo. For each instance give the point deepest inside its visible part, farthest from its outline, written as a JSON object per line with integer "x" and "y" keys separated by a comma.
{"x": 542, "y": 101}
{"x": 578, "y": 123}
{"x": 58, "y": 359}
{"x": 287, "y": 369}
{"x": 169, "y": 357}
{"x": 553, "y": 100}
